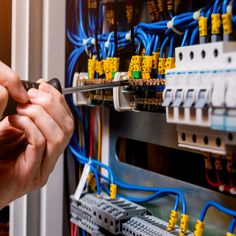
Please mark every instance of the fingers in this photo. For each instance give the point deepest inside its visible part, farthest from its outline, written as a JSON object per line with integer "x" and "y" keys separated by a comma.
{"x": 3, "y": 100}
{"x": 47, "y": 88}
{"x": 34, "y": 151}
{"x": 12, "y": 83}
{"x": 54, "y": 106}
{"x": 55, "y": 137}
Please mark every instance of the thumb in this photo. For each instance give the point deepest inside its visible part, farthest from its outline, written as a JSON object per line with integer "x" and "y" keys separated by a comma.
{"x": 3, "y": 100}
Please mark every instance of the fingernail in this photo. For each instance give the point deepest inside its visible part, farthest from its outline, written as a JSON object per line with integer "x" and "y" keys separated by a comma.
{"x": 33, "y": 93}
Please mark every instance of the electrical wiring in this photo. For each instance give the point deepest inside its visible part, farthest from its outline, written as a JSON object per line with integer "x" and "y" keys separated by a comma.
{"x": 218, "y": 207}
{"x": 151, "y": 189}
{"x": 151, "y": 197}
{"x": 185, "y": 38}
{"x": 85, "y": 160}
{"x": 232, "y": 225}
{"x": 171, "y": 49}
{"x": 75, "y": 230}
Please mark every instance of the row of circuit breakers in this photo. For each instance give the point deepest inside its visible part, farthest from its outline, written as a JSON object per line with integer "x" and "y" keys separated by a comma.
{"x": 199, "y": 96}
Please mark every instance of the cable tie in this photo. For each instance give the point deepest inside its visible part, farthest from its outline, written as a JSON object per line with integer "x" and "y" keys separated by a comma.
{"x": 170, "y": 25}
{"x": 229, "y": 9}
{"x": 85, "y": 42}
{"x": 128, "y": 36}
{"x": 107, "y": 43}
{"x": 93, "y": 41}
{"x": 196, "y": 14}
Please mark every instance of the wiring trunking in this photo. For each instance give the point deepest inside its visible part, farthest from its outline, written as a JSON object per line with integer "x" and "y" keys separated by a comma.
{"x": 180, "y": 70}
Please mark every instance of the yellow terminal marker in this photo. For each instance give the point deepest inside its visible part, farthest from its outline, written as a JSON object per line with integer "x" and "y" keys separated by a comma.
{"x": 113, "y": 191}
{"x": 199, "y": 228}
{"x": 173, "y": 220}
{"x": 183, "y": 224}
{"x": 202, "y": 23}
{"x": 227, "y": 23}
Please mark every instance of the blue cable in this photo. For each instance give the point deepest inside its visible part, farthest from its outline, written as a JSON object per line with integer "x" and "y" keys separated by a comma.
{"x": 185, "y": 38}
{"x": 171, "y": 49}
{"x": 194, "y": 36}
{"x": 164, "y": 45}
{"x": 224, "y": 6}
{"x": 85, "y": 160}
{"x": 150, "y": 189}
{"x": 83, "y": 232}
{"x": 218, "y": 207}
{"x": 232, "y": 225}
{"x": 156, "y": 44}
{"x": 144, "y": 199}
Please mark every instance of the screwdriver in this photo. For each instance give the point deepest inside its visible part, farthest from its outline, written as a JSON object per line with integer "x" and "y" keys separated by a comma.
{"x": 11, "y": 105}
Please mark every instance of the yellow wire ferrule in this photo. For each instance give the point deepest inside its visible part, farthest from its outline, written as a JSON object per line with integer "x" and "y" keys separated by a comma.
{"x": 227, "y": 23}
{"x": 146, "y": 67}
{"x": 173, "y": 220}
{"x": 155, "y": 59}
{"x": 91, "y": 68}
{"x": 199, "y": 228}
{"x": 92, "y": 4}
{"x": 202, "y": 23}
{"x": 184, "y": 224}
{"x": 91, "y": 182}
{"x": 162, "y": 66}
{"x": 113, "y": 191}
{"x": 230, "y": 234}
{"x": 99, "y": 67}
{"x": 215, "y": 23}
{"x": 170, "y": 5}
{"x": 170, "y": 63}
{"x": 160, "y": 5}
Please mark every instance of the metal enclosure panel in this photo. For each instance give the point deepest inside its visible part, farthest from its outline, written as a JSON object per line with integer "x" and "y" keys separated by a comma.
{"x": 152, "y": 128}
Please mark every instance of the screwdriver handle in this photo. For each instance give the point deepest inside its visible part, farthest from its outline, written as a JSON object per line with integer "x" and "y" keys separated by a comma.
{"x": 11, "y": 105}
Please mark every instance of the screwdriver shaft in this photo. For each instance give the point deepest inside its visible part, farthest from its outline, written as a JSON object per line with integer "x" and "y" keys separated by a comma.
{"x": 92, "y": 87}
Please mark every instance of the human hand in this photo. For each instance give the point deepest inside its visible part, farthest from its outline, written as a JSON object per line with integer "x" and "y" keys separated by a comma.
{"x": 42, "y": 128}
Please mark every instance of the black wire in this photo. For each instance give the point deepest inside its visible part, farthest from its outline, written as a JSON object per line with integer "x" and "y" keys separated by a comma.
{"x": 115, "y": 28}
{"x": 96, "y": 31}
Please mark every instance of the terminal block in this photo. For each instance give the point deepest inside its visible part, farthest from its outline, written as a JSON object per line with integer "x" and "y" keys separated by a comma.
{"x": 112, "y": 213}
{"x": 148, "y": 226}
{"x": 81, "y": 214}
{"x": 103, "y": 216}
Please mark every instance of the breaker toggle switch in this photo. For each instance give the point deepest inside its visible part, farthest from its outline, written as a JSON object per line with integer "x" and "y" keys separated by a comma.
{"x": 167, "y": 98}
{"x": 202, "y": 100}
{"x": 189, "y": 98}
{"x": 178, "y": 98}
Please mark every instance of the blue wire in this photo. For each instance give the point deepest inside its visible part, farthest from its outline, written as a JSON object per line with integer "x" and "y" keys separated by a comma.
{"x": 171, "y": 50}
{"x": 156, "y": 44}
{"x": 185, "y": 38}
{"x": 224, "y": 6}
{"x": 151, "y": 189}
{"x": 144, "y": 199}
{"x": 164, "y": 45}
{"x": 83, "y": 232}
{"x": 85, "y": 160}
{"x": 194, "y": 36}
{"x": 232, "y": 225}
{"x": 218, "y": 207}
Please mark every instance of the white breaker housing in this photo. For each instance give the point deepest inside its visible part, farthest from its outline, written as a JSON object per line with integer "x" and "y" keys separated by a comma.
{"x": 201, "y": 91}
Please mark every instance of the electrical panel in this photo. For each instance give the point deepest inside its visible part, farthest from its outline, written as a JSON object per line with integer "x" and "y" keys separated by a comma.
{"x": 167, "y": 134}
